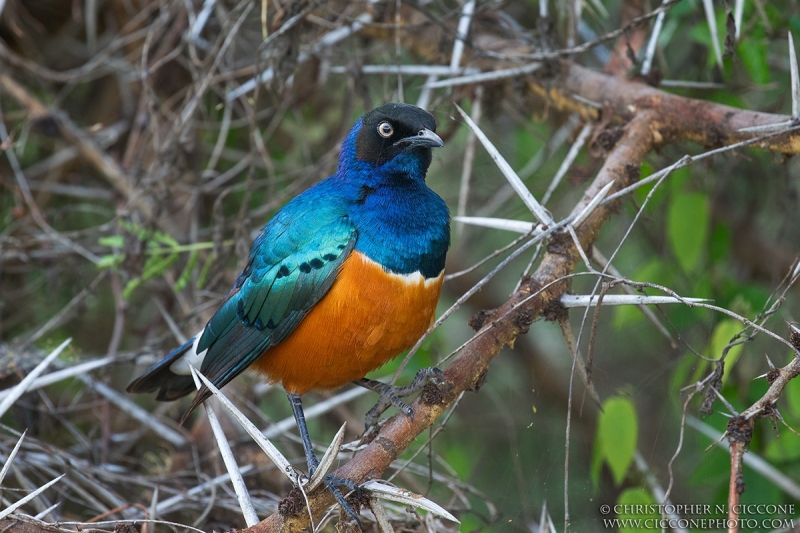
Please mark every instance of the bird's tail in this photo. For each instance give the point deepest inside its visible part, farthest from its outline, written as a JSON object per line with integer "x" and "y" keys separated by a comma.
{"x": 159, "y": 377}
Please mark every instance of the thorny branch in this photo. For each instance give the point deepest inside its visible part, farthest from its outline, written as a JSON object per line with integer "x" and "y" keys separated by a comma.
{"x": 650, "y": 118}
{"x": 637, "y": 119}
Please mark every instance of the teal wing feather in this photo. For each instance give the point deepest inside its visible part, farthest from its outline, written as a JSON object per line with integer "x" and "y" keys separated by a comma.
{"x": 290, "y": 270}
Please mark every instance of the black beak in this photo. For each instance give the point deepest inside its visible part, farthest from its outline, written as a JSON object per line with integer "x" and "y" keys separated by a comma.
{"x": 425, "y": 137}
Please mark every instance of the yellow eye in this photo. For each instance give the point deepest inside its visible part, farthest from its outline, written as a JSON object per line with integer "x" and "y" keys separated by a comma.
{"x": 385, "y": 130}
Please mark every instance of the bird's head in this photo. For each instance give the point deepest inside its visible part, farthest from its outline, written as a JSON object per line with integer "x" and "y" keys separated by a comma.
{"x": 397, "y": 138}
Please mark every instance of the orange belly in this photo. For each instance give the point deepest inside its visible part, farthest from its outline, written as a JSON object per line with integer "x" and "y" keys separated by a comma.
{"x": 367, "y": 317}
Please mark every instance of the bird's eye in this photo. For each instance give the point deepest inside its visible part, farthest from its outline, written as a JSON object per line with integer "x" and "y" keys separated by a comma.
{"x": 385, "y": 130}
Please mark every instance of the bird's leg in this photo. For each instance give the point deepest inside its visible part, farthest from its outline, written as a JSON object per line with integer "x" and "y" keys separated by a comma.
{"x": 332, "y": 482}
{"x": 300, "y": 419}
{"x": 392, "y": 394}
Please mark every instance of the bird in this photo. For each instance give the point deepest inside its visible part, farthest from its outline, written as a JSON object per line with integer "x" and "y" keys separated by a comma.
{"x": 343, "y": 278}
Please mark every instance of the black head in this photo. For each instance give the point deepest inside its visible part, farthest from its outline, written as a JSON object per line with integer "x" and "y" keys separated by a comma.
{"x": 392, "y": 129}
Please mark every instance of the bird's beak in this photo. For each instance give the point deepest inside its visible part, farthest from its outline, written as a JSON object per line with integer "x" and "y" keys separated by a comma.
{"x": 425, "y": 137}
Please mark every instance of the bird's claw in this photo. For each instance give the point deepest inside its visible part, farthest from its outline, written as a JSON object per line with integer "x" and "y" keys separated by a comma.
{"x": 391, "y": 394}
{"x": 333, "y": 483}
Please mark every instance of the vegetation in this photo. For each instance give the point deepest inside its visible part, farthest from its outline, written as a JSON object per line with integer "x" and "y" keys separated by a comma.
{"x": 143, "y": 143}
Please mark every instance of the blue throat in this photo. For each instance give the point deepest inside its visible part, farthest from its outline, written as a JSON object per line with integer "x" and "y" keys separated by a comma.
{"x": 402, "y": 224}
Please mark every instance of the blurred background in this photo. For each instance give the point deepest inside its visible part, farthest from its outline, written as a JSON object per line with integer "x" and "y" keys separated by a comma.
{"x": 140, "y": 157}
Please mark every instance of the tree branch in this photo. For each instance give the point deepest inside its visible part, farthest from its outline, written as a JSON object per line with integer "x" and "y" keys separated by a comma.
{"x": 536, "y": 297}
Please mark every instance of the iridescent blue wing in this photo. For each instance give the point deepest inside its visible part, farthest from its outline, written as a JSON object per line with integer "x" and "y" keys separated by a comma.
{"x": 290, "y": 270}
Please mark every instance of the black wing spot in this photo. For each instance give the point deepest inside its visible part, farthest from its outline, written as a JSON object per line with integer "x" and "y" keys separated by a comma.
{"x": 317, "y": 263}
{"x": 342, "y": 246}
{"x": 259, "y": 325}
{"x": 240, "y": 309}
{"x": 245, "y": 322}
{"x": 305, "y": 268}
{"x": 271, "y": 324}
{"x": 282, "y": 272}
{"x": 329, "y": 257}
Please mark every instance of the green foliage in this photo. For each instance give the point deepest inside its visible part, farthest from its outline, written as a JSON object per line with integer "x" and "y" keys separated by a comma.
{"x": 719, "y": 243}
{"x": 792, "y": 396}
{"x": 628, "y": 499}
{"x": 753, "y": 53}
{"x": 617, "y": 435}
{"x": 723, "y": 332}
{"x": 785, "y": 447}
{"x": 460, "y": 458}
{"x": 687, "y": 228}
{"x": 162, "y": 252}
{"x": 712, "y": 469}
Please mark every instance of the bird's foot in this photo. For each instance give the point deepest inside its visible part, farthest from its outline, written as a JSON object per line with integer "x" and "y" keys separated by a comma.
{"x": 392, "y": 394}
{"x": 333, "y": 483}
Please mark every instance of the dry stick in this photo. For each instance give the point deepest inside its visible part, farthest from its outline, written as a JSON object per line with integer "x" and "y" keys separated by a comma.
{"x": 661, "y": 176}
{"x": 87, "y": 146}
{"x": 20, "y": 388}
{"x": 398, "y": 49}
{"x": 568, "y": 87}
{"x": 28, "y": 197}
{"x": 571, "y": 155}
{"x": 126, "y": 405}
{"x": 327, "y": 41}
{"x": 465, "y": 371}
{"x": 188, "y": 110}
{"x": 686, "y": 160}
{"x": 651, "y": 44}
{"x": 635, "y": 143}
{"x": 466, "y": 368}
{"x": 711, "y": 20}
{"x": 234, "y": 472}
{"x": 574, "y": 351}
{"x": 469, "y": 155}
{"x": 100, "y": 64}
{"x": 735, "y": 485}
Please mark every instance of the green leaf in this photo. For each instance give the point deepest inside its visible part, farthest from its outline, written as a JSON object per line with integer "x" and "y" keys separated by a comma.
{"x": 597, "y": 463}
{"x": 110, "y": 261}
{"x": 629, "y": 499}
{"x": 203, "y": 277}
{"x": 678, "y": 180}
{"x": 112, "y": 241}
{"x": 792, "y": 395}
{"x": 130, "y": 287}
{"x": 617, "y": 433}
{"x": 135, "y": 229}
{"x": 753, "y": 54}
{"x": 720, "y": 243}
{"x": 183, "y": 279}
{"x": 785, "y": 447}
{"x": 722, "y": 335}
{"x": 528, "y": 145}
{"x": 164, "y": 238}
{"x": 687, "y": 228}
{"x": 155, "y": 265}
{"x": 461, "y": 459}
